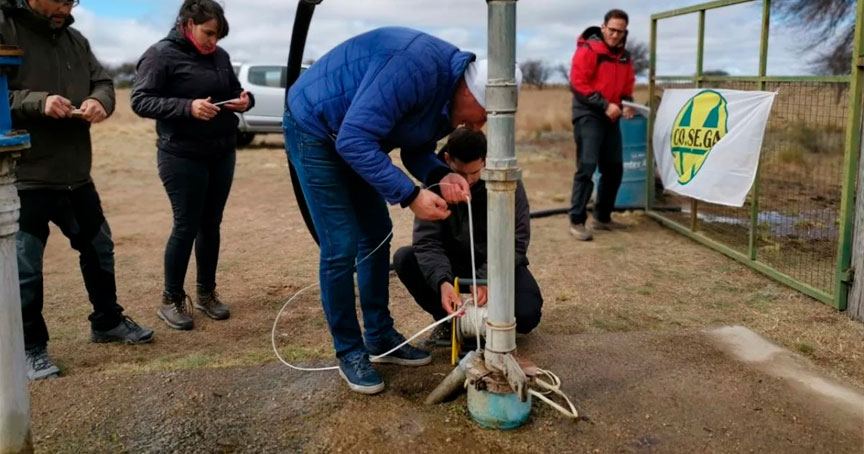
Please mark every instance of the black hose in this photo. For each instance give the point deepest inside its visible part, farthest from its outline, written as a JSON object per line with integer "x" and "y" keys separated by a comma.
{"x": 547, "y": 213}
{"x": 565, "y": 210}
{"x": 302, "y": 20}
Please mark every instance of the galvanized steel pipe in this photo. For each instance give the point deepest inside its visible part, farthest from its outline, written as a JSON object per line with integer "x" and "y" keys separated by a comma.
{"x": 14, "y": 397}
{"x": 501, "y": 175}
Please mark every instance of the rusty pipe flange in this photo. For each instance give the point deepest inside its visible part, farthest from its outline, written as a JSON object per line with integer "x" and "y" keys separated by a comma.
{"x": 11, "y": 57}
{"x": 479, "y": 376}
{"x": 11, "y": 51}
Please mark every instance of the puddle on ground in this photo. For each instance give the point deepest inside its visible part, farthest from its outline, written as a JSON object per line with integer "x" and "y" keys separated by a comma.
{"x": 811, "y": 225}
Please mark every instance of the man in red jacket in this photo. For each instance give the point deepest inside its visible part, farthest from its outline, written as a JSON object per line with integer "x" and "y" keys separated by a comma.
{"x": 601, "y": 76}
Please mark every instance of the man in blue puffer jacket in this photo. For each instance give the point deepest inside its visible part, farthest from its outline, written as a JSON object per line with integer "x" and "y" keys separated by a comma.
{"x": 385, "y": 89}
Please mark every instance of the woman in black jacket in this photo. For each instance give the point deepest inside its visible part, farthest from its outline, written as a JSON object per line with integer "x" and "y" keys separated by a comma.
{"x": 182, "y": 82}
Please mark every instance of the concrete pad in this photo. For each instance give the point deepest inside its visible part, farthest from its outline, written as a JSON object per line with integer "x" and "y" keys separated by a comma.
{"x": 747, "y": 346}
{"x": 679, "y": 392}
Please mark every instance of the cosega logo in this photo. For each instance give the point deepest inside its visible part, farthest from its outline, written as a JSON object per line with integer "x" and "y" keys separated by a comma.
{"x": 701, "y": 123}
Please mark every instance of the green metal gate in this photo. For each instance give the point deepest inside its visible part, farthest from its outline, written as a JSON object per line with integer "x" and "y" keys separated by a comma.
{"x": 797, "y": 223}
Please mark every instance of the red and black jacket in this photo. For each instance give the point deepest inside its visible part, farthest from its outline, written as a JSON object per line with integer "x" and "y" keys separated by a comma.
{"x": 599, "y": 75}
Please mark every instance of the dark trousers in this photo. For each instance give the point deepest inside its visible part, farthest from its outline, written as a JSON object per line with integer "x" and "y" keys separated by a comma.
{"x": 78, "y": 214}
{"x": 198, "y": 190}
{"x": 529, "y": 301}
{"x": 598, "y": 146}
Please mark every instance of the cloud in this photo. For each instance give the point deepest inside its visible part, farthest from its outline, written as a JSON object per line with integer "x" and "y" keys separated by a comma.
{"x": 547, "y": 30}
{"x": 114, "y": 40}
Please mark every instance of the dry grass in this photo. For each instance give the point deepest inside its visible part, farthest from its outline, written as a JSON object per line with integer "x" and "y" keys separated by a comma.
{"x": 645, "y": 279}
{"x": 548, "y": 111}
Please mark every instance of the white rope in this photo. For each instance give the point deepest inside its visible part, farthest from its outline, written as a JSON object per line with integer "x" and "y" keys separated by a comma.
{"x": 320, "y": 369}
{"x": 474, "y": 317}
{"x": 553, "y": 388}
{"x": 356, "y": 263}
{"x": 273, "y": 337}
{"x": 474, "y": 271}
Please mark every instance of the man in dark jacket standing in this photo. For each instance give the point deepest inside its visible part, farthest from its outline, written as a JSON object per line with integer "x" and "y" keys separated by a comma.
{"x": 441, "y": 250}
{"x": 601, "y": 76}
{"x": 59, "y": 91}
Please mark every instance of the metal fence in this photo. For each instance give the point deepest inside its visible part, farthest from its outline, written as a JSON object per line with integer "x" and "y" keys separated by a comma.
{"x": 796, "y": 224}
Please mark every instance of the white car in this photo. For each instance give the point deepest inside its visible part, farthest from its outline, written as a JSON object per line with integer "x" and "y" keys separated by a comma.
{"x": 267, "y": 82}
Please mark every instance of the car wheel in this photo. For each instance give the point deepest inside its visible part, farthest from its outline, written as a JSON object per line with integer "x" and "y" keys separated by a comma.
{"x": 244, "y": 139}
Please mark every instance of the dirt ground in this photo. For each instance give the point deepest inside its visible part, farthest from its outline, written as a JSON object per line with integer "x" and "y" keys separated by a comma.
{"x": 639, "y": 393}
{"x": 621, "y": 312}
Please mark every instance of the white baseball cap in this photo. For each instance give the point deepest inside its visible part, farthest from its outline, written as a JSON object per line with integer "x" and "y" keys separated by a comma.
{"x": 476, "y": 75}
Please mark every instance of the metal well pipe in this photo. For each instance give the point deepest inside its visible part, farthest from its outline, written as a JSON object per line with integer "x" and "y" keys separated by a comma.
{"x": 501, "y": 175}
{"x": 14, "y": 394}
{"x": 14, "y": 391}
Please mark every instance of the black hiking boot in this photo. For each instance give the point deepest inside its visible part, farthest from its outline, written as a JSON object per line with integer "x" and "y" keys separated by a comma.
{"x": 210, "y": 304}
{"x": 127, "y": 331}
{"x": 406, "y": 355}
{"x": 441, "y": 336}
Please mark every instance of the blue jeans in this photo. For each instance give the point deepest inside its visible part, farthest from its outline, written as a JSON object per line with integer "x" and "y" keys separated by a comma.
{"x": 351, "y": 219}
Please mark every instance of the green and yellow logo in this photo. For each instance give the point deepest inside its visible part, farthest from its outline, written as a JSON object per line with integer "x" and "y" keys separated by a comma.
{"x": 701, "y": 123}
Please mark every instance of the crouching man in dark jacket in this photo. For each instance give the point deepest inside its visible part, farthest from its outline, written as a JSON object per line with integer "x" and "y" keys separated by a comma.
{"x": 59, "y": 91}
{"x": 441, "y": 250}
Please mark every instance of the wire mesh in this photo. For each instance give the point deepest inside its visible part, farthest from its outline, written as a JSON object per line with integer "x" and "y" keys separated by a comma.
{"x": 800, "y": 183}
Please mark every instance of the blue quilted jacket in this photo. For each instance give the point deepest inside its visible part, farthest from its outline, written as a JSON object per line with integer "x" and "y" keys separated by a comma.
{"x": 385, "y": 89}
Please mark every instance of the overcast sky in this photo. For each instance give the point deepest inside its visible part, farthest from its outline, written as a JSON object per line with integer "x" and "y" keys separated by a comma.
{"x": 120, "y": 30}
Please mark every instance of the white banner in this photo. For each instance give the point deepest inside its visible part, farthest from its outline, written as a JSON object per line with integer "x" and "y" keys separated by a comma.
{"x": 707, "y": 142}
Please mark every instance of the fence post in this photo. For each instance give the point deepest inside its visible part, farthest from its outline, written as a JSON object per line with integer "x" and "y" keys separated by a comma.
{"x": 700, "y": 55}
{"x": 849, "y": 209}
{"x": 649, "y": 158}
{"x": 855, "y": 307}
{"x": 763, "y": 71}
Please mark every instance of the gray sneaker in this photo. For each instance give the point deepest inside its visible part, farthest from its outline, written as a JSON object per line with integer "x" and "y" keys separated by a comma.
{"x": 442, "y": 336}
{"x": 176, "y": 312}
{"x": 210, "y": 304}
{"x": 580, "y": 232}
{"x": 611, "y": 225}
{"x": 39, "y": 364}
{"x": 127, "y": 331}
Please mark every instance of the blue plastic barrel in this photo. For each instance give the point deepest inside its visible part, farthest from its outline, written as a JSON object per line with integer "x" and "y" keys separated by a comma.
{"x": 631, "y": 194}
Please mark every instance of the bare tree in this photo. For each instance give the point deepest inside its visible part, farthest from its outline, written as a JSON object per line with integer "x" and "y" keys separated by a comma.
{"x": 534, "y": 72}
{"x": 639, "y": 54}
{"x": 830, "y": 25}
{"x": 563, "y": 71}
{"x": 123, "y": 75}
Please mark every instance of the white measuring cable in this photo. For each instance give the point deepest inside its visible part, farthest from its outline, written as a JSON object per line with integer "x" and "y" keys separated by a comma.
{"x": 553, "y": 387}
{"x": 415, "y": 336}
{"x": 473, "y": 270}
{"x": 549, "y": 387}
